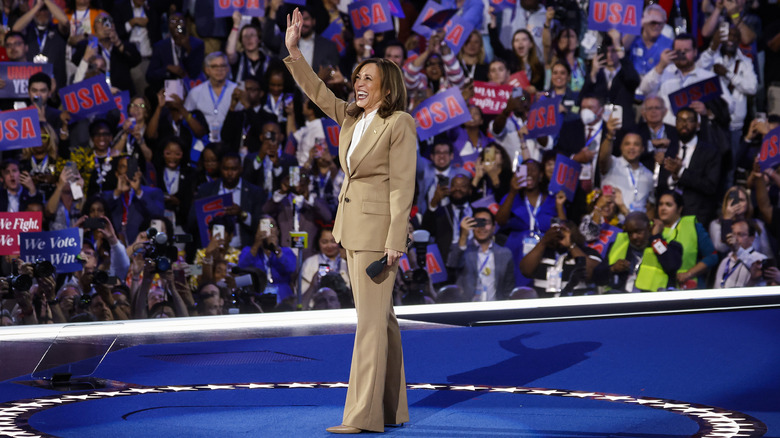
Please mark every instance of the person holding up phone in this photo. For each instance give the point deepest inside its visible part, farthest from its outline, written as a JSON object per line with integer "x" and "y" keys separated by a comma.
{"x": 278, "y": 262}
{"x": 742, "y": 266}
{"x": 485, "y": 271}
{"x": 736, "y": 206}
{"x": 62, "y": 209}
{"x": 131, "y": 202}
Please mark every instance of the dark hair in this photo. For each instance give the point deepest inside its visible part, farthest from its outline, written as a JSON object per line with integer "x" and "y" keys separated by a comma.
{"x": 251, "y": 26}
{"x": 441, "y": 139}
{"x": 394, "y": 43}
{"x": 14, "y": 33}
{"x": 227, "y": 221}
{"x": 185, "y": 157}
{"x": 392, "y": 83}
{"x": 7, "y": 162}
{"x": 93, "y": 200}
{"x": 561, "y": 54}
{"x": 230, "y": 154}
{"x": 318, "y": 236}
{"x": 562, "y": 63}
{"x": 95, "y": 125}
{"x": 751, "y": 224}
{"x": 678, "y": 198}
{"x": 537, "y": 69}
{"x": 39, "y": 77}
{"x": 483, "y": 210}
{"x": 591, "y": 95}
{"x": 685, "y": 37}
{"x": 688, "y": 109}
{"x": 773, "y": 118}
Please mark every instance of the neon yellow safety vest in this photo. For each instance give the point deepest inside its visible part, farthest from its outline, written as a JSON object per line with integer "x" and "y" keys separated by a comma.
{"x": 651, "y": 276}
{"x": 685, "y": 234}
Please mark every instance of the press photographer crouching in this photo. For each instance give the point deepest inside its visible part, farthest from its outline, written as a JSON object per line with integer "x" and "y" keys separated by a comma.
{"x": 29, "y": 293}
{"x": 277, "y": 262}
{"x": 560, "y": 264}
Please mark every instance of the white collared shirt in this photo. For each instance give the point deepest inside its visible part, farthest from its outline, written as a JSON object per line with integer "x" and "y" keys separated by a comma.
{"x": 486, "y": 277}
{"x": 686, "y": 161}
{"x": 13, "y": 201}
{"x": 306, "y": 46}
{"x": 357, "y": 134}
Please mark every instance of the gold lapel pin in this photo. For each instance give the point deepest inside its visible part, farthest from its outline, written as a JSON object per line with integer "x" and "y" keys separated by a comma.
{"x": 374, "y": 131}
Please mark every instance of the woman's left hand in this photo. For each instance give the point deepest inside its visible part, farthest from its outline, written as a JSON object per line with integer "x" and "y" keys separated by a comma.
{"x": 392, "y": 256}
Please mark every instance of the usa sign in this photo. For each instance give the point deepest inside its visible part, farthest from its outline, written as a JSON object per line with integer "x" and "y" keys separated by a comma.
{"x": 225, "y": 8}
{"x": 769, "y": 156}
{"x": 457, "y": 31}
{"x": 370, "y": 14}
{"x": 440, "y": 112}
{"x": 566, "y": 176}
{"x": 88, "y": 97}
{"x": 623, "y": 15}
{"x": 543, "y": 117}
{"x": 19, "y": 129}
{"x": 702, "y": 91}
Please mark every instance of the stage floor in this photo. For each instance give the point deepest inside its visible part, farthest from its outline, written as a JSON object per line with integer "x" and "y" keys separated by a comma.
{"x": 676, "y": 365}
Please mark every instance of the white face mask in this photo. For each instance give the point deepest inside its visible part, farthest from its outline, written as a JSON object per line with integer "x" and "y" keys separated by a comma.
{"x": 587, "y": 116}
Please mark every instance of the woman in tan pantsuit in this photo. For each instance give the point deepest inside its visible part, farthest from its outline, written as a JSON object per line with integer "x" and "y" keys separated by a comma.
{"x": 377, "y": 151}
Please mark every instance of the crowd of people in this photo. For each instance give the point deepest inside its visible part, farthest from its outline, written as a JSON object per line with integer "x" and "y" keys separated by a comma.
{"x": 665, "y": 200}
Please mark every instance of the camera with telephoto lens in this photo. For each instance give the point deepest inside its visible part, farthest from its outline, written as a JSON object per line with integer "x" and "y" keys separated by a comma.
{"x": 42, "y": 268}
{"x": 567, "y": 13}
{"x": 416, "y": 280}
{"x": 250, "y": 285}
{"x": 161, "y": 248}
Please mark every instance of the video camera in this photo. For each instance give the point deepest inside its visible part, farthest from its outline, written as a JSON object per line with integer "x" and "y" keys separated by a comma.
{"x": 42, "y": 268}
{"x": 416, "y": 279}
{"x": 250, "y": 283}
{"x": 161, "y": 248}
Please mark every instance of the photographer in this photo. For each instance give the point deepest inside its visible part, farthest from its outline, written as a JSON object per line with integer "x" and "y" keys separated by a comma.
{"x": 485, "y": 270}
{"x": 162, "y": 293}
{"x": 115, "y": 262}
{"x": 218, "y": 249}
{"x": 743, "y": 265}
{"x": 131, "y": 202}
{"x": 266, "y": 254}
{"x": 560, "y": 264}
{"x": 61, "y": 207}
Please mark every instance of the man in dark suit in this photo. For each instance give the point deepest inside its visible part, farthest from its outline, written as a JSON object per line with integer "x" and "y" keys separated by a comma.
{"x": 130, "y": 203}
{"x": 239, "y": 131}
{"x": 448, "y": 207}
{"x": 693, "y": 167}
{"x": 317, "y": 50}
{"x": 247, "y": 205}
{"x": 266, "y": 167}
{"x": 485, "y": 268}
{"x": 120, "y": 55}
{"x": 178, "y": 57}
{"x": 18, "y": 188}
{"x": 613, "y": 75}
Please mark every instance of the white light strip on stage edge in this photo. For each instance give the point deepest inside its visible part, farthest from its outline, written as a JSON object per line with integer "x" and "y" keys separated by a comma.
{"x": 323, "y": 318}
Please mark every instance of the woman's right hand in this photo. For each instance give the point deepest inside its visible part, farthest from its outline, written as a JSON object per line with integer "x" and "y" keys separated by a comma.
{"x": 293, "y": 33}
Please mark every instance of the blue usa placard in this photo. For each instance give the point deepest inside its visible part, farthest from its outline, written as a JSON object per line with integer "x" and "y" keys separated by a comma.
{"x": 332, "y": 131}
{"x": 702, "y": 91}
{"x": 253, "y": 8}
{"x": 395, "y": 9}
{"x": 607, "y": 235}
{"x": 457, "y": 31}
{"x": 370, "y": 14}
{"x": 61, "y": 248}
{"x": 544, "y": 118}
{"x": 769, "y": 156}
{"x": 440, "y": 112}
{"x": 623, "y": 15}
{"x": 19, "y": 129}
{"x": 122, "y": 100}
{"x": 88, "y": 97}
{"x": 207, "y": 209}
{"x": 335, "y": 33}
{"x": 430, "y": 8}
{"x": 500, "y": 5}
{"x": 16, "y": 75}
{"x": 565, "y": 176}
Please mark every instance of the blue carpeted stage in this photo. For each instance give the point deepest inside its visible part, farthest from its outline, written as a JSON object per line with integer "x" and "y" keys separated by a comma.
{"x": 707, "y": 373}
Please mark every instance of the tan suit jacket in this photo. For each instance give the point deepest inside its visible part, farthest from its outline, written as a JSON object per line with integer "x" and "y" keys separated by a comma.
{"x": 376, "y": 197}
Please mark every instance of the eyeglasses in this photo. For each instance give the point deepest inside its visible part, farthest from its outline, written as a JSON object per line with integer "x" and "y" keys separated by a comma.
{"x": 44, "y": 136}
{"x": 14, "y": 44}
{"x": 137, "y": 105}
{"x": 656, "y": 23}
{"x": 218, "y": 66}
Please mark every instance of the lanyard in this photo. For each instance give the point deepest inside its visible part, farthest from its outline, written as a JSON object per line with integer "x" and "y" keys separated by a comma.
{"x": 532, "y": 214}
{"x": 727, "y": 272}
{"x": 39, "y": 167}
{"x": 78, "y": 20}
{"x": 482, "y": 266}
{"x": 169, "y": 181}
{"x": 633, "y": 181}
{"x": 126, "y": 202}
{"x": 661, "y": 132}
{"x": 41, "y": 41}
{"x": 267, "y": 263}
{"x": 593, "y": 136}
{"x": 217, "y": 100}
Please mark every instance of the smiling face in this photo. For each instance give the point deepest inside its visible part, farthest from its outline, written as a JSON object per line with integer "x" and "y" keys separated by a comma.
{"x": 368, "y": 88}
{"x": 172, "y": 155}
{"x": 137, "y": 109}
{"x": 276, "y": 84}
{"x": 101, "y": 139}
{"x": 560, "y": 76}
{"x": 328, "y": 245}
{"x": 631, "y": 147}
{"x": 484, "y": 234}
{"x": 395, "y": 54}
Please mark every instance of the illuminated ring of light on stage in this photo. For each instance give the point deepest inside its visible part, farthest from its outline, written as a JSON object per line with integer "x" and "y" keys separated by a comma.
{"x": 712, "y": 421}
